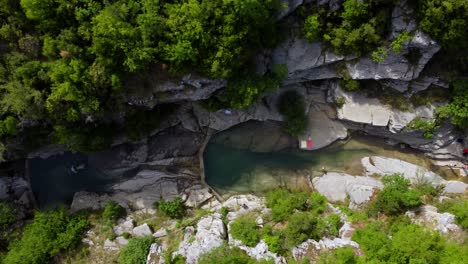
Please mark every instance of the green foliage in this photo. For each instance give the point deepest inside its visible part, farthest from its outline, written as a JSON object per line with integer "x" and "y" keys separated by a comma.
{"x": 312, "y": 28}
{"x": 380, "y": 54}
{"x": 397, "y": 43}
{"x": 7, "y": 216}
{"x": 245, "y": 229}
{"x": 273, "y": 238}
{"x": 317, "y": 203}
{"x": 136, "y": 251}
{"x": 340, "y": 101}
{"x": 47, "y": 235}
{"x": 113, "y": 211}
{"x": 458, "y": 207}
{"x": 302, "y": 226}
{"x": 334, "y": 224}
{"x": 350, "y": 85}
{"x": 445, "y": 21}
{"x": 396, "y": 196}
{"x": 84, "y": 138}
{"x": 173, "y": 209}
{"x": 457, "y": 109}
{"x": 226, "y": 255}
{"x": 244, "y": 89}
{"x": 283, "y": 203}
{"x": 224, "y": 213}
{"x": 292, "y": 107}
{"x": 406, "y": 243}
{"x": 9, "y": 126}
{"x": 343, "y": 255}
{"x": 427, "y": 127}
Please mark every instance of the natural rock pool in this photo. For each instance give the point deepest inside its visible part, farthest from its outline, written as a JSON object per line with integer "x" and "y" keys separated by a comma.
{"x": 233, "y": 168}
{"x": 56, "y": 179}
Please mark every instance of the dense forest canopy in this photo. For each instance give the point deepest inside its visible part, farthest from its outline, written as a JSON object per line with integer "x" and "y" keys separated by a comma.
{"x": 63, "y": 63}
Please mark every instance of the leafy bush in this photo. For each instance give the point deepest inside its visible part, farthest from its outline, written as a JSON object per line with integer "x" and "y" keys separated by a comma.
{"x": 136, "y": 251}
{"x": 457, "y": 109}
{"x": 397, "y": 43}
{"x": 47, "y": 235}
{"x": 445, "y": 21}
{"x": 342, "y": 255}
{"x": 245, "y": 229}
{"x": 7, "y": 216}
{"x": 317, "y": 203}
{"x": 173, "y": 209}
{"x": 273, "y": 238}
{"x": 349, "y": 84}
{"x": 9, "y": 126}
{"x": 292, "y": 107}
{"x": 283, "y": 203}
{"x": 334, "y": 224}
{"x": 339, "y": 102}
{"x": 380, "y": 54}
{"x": 113, "y": 211}
{"x": 406, "y": 243}
{"x": 245, "y": 88}
{"x": 427, "y": 127}
{"x": 396, "y": 196}
{"x": 226, "y": 255}
{"x": 301, "y": 226}
{"x": 312, "y": 28}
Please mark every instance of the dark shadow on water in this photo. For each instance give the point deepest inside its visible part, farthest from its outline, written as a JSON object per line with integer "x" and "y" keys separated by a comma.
{"x": 55, "y": 180}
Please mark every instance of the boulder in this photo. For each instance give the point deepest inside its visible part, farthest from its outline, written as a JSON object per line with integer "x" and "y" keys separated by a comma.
{"x": 160, "y": 233}
{"x": 338, "y": 186}
{"x": 259, "y": 252}
{"x": 386, "y": 166}
{"x": 322, "y": 245}
{"x": 209, "y": 235}
{"x": 142, "y": 230}
{"x": 87, "y": 200}
{"x": 154, "y": 254}
{"x": 110, "y": 245}
{"x": 124, "y": 227}
{"x": 121, "y": 241}
{"x": 428, "y": 216}
{"x": 197, "y": 195}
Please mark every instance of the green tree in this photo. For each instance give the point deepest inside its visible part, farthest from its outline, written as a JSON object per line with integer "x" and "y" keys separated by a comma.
{"x": 457, "y": 109}
{"x": 226, "y": 255}
{"x": 47, "y": 235}
{"x": 136, "y": 251}
{"x": 245, "y": 229}
{"x": 302, "y": 226}
{"x": 396, "y": 196}
{"x": 283, "y": 203}
{"x": 173, "y": 209}
{"x": 292, "y": 106}
{"x": 7, "y": 216}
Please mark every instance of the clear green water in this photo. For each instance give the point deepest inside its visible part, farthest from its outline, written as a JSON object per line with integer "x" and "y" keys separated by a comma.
{"x": 230, "y": 170}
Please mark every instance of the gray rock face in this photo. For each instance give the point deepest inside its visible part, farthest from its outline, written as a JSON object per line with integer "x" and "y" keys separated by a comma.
{"x": 387, "y": 166}
{"x": 174, "y": 142}
{"x": 157, "y": 87}
{"x": 142, "y": 230}
{"x": 154, "y": 254}
{"x": 359, "y": 108}
{"x": 197, "y": 195}
{"x": 210, "y": 234}
{"x": 322, "y": 245}
{"x": 428, "y": 216}
{"x": 139, "y": 192}
{"x": 338, "y": 186}
{"x": 124, "y": 227}
{"x": 290, "y": 6}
